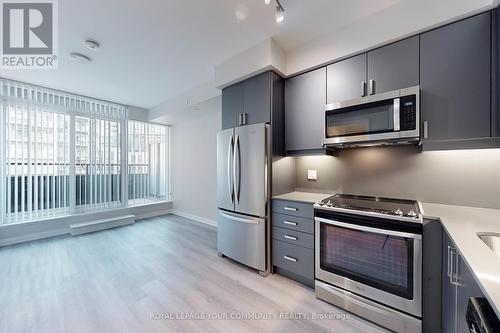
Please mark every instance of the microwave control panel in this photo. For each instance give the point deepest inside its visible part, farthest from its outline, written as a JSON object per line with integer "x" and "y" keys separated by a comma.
{"x": 408, "y": 113}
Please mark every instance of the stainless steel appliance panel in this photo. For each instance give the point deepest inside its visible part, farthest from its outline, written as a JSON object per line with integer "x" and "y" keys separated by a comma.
{"x": 357, "y": 122}
{"x": 242, "y": 238}
{"x": 412, "y": 306}
{"x": 250, "y": 168}
{"x": 373, "y": 311}
{"x": 225, "y": 154}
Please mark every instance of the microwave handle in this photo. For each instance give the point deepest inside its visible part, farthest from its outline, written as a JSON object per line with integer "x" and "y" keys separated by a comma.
{"x": 396, "y": 110}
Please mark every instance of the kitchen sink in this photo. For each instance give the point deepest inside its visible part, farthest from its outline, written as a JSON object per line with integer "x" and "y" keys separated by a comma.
{"x": 492, "y": 240}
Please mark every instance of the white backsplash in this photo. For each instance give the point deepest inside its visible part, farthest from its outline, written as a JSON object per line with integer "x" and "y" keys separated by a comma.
{"x": 460, "y": 177}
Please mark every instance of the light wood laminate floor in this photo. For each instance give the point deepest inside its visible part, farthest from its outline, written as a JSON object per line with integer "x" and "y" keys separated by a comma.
{"x": 125, "y": 279}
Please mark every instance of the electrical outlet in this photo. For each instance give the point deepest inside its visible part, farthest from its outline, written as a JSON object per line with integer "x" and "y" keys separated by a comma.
{"x": 312, "y": 175}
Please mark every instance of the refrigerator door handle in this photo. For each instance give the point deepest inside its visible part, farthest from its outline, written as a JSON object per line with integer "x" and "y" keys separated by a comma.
{"x": 240, "y": 219}
{"x": 230, "y": 153}
{"x": 236, "y": 170}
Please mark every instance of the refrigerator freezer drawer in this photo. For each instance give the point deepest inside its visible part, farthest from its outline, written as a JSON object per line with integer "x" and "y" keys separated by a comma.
{"x": 242, "y": 238}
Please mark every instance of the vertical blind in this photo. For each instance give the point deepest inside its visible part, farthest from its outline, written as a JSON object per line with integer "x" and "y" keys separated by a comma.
{"x": 148, "y": 160}
{"x": 62, "y": 153}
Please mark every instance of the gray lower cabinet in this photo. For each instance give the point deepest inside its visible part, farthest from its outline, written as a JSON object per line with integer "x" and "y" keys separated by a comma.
{"x": 459, "y": 285}
{"x": 449, "y": 290}
{"x": 293, "y": 240}
{"x": 455, "y": 75}
{"x": 305, "y": 99}
{"x": 293, "y": 209}
{"x": 294, "y": 259}
{"x": 467, "y": 288}
{"x": 394, "y": 66}
{"x": 346, "y": 79}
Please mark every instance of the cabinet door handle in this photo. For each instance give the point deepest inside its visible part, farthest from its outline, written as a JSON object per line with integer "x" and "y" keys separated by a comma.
{"x": 290, "y": 223}
{"x": 455, "y": 273}
{"x": 290, "y": 258}
{"x": 453, "y": 267}
{"x": 290, "y": 208}
{"x": 363, "y": 88}
{"x": 448, "y": 271}
{"x": 290, "y": 237}
{"x": 372, "y": 87}
{"x": 426, "y": 129}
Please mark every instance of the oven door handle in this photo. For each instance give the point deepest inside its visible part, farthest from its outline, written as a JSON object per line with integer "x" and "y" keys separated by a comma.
{"x": 368, "y": 229}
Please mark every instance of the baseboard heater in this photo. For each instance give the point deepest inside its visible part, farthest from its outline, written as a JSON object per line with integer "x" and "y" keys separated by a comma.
{"x": 113, "y": 222}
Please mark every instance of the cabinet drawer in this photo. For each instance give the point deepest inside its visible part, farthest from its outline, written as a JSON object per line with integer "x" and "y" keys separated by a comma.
{"x": 293, "y": 237}
{"x": 293, "y": 208}
{"x": 295, "y": 259}
{"x": 294, "y": 223}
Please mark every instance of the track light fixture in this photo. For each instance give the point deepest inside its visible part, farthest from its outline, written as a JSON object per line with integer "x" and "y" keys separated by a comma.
{"x": 280, "y": 12}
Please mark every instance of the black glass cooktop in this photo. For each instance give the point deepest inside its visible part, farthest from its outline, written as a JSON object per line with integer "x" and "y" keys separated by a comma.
{"x": 398, "y": 207}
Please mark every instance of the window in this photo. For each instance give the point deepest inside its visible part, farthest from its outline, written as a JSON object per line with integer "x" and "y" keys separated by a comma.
{"x": 63, "y": 154}
{"x": 36, "y": 162}
{"x": 148, "y": 162}
{"x": 98, "y": 161}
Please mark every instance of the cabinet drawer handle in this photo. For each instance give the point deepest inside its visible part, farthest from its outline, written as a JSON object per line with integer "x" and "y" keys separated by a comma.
{"x": 290, "y": 237}
{"x": 290, "y": 223}
{"x": 290, "y": 258}
{"x": 290, "y": 208}
{"x": 363, "y": 88}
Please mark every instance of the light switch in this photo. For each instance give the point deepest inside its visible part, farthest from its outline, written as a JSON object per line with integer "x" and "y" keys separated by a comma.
{"x": 312, "y": 174}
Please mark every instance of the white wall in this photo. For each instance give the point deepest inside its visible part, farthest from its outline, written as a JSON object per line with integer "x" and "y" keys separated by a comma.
{"x": 137, "y": 113}
{"x": 404, "y": 18}
{"x": 194, "y": 161}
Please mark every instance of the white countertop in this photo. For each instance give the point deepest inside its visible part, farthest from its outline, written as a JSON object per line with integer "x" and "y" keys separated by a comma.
{"x": 306, "y": 197}
{"x": 463, "y": 224}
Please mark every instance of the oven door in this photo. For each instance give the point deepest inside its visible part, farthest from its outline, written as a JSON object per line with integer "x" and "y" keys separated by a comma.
{"x": 382, "y": 265}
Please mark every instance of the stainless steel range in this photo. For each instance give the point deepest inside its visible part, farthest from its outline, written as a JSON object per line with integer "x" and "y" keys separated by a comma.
{"x": 369, "y": 258}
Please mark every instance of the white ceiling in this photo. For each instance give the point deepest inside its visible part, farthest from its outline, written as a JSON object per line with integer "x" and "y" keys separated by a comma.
{"x": 156, "y": 49}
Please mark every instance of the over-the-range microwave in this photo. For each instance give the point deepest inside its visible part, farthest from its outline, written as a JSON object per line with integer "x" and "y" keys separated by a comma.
{"x": 386, "y": 118}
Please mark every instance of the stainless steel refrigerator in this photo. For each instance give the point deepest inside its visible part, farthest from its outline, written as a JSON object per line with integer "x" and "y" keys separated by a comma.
{"x": 243, "y": 170}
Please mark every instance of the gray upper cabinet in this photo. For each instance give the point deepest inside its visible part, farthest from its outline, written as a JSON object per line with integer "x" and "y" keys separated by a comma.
{"x": 305, "y": 99}
{"x": 495, "y": 106}
{"x": 346, "y": 79}
{"x": 232, "y": 105}
{"x": 455, "y": 73}
{"x": 247, "y": 102}
{"x": 394, "y": 66}
{"x": 257, "y": 99}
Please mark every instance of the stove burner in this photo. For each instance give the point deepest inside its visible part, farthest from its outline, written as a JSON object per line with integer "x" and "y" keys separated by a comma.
{"x": 385, "y": 206}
